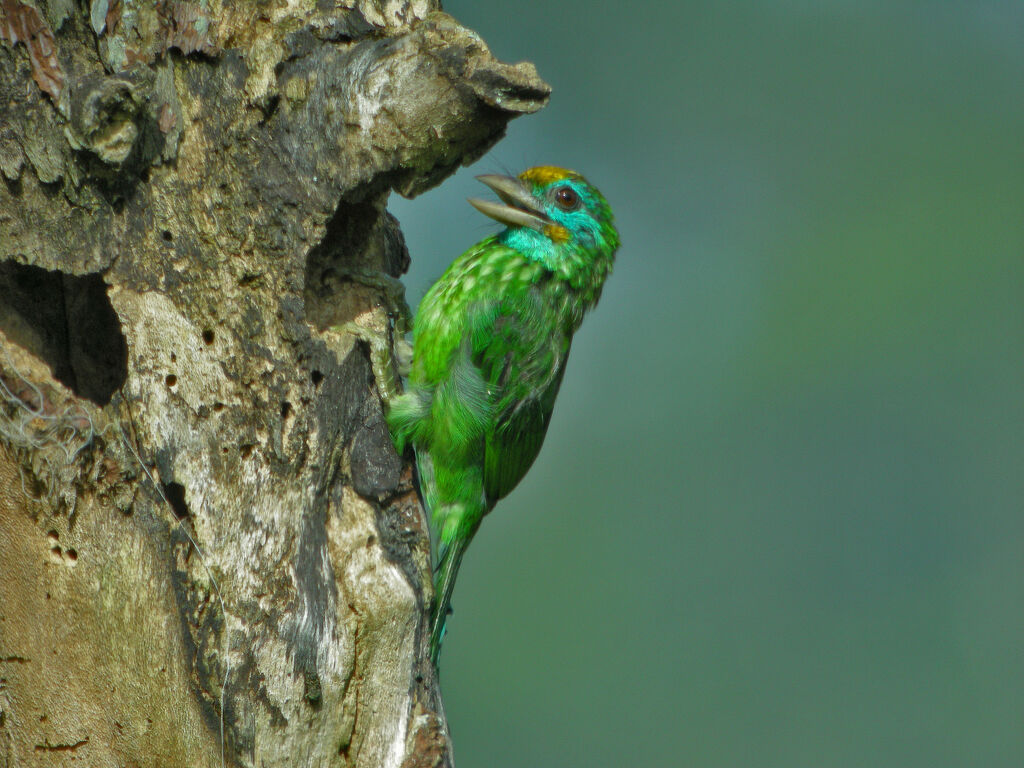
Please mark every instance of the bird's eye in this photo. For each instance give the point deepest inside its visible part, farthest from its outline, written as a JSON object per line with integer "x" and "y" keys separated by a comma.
{"x": 567, "y": 199}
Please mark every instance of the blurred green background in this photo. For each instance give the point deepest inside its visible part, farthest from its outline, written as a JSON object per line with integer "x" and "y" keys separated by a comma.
{"x": 778, "y": 517}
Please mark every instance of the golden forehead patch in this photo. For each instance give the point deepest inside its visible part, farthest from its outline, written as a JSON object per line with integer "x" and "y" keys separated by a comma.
{"x": 545, "y": 174}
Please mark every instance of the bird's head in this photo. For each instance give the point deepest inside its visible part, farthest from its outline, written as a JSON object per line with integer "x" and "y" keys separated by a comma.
{"x": 554, "y": 216}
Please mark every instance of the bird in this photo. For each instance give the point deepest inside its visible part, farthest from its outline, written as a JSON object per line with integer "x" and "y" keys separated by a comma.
{"x": 490, "y": 340}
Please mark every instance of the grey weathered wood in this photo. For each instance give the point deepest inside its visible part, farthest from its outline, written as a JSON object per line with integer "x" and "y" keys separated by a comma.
{"x": 196, "y": 482}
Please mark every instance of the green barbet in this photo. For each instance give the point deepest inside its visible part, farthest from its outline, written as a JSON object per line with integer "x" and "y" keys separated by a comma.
{"x": 490, "y": 341}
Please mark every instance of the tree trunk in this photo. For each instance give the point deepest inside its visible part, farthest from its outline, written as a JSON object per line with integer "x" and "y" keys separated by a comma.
{"x": 209, "y": 551}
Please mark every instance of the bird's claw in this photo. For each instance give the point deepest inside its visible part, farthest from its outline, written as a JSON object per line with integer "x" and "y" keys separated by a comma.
{"x": 389, "y": 363}
{"x": 390, "y": 353}
{"x": 393, "y": 291}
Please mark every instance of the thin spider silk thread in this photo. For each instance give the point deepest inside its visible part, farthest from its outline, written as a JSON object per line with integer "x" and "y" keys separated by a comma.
{"x": 213, "y": 580}
{"x": 20, "y": 432}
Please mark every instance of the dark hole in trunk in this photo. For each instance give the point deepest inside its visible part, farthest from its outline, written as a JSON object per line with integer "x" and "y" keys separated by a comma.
{"x": 68, "y": 321}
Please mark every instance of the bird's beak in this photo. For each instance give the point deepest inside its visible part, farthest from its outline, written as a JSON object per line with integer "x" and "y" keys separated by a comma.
{"x": 522, "y": 209}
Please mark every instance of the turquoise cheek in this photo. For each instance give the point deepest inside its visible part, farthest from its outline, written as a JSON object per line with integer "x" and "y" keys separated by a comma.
{"x": 531, "y": 243}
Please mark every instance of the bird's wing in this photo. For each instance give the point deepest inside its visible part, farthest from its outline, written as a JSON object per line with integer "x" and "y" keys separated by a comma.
{"x": 512, "y": 447}
{"x": 520, "y": 352}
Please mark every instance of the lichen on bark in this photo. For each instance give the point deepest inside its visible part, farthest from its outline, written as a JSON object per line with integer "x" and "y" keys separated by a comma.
{"x": 202, "y": 518}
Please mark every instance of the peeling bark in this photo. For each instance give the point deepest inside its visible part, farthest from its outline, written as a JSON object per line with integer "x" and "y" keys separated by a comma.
{"x": 203, "y": 522}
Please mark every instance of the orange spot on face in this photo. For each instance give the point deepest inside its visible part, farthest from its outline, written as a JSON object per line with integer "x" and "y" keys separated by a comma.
{"x": 545, "y": 174}
{"x": 557, "y": 233}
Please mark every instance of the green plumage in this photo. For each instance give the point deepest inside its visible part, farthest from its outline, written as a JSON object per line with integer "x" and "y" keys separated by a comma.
{"x": 490, "y": 343}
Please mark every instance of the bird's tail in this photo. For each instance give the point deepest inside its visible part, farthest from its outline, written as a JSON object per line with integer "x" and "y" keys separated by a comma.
{"x": 444, "y": 585}
{"x": 453, "y": 527}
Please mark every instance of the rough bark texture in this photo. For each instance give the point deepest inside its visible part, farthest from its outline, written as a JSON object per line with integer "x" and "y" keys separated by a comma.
{"x": 203, "y": 523}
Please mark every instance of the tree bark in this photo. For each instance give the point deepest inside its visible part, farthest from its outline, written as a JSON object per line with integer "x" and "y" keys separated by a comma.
{"x": 209, "y": 551}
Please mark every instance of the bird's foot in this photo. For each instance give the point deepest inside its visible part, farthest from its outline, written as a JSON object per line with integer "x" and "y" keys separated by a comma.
{"x": 390, "y": 353}
{"x": 393, "y": 292}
